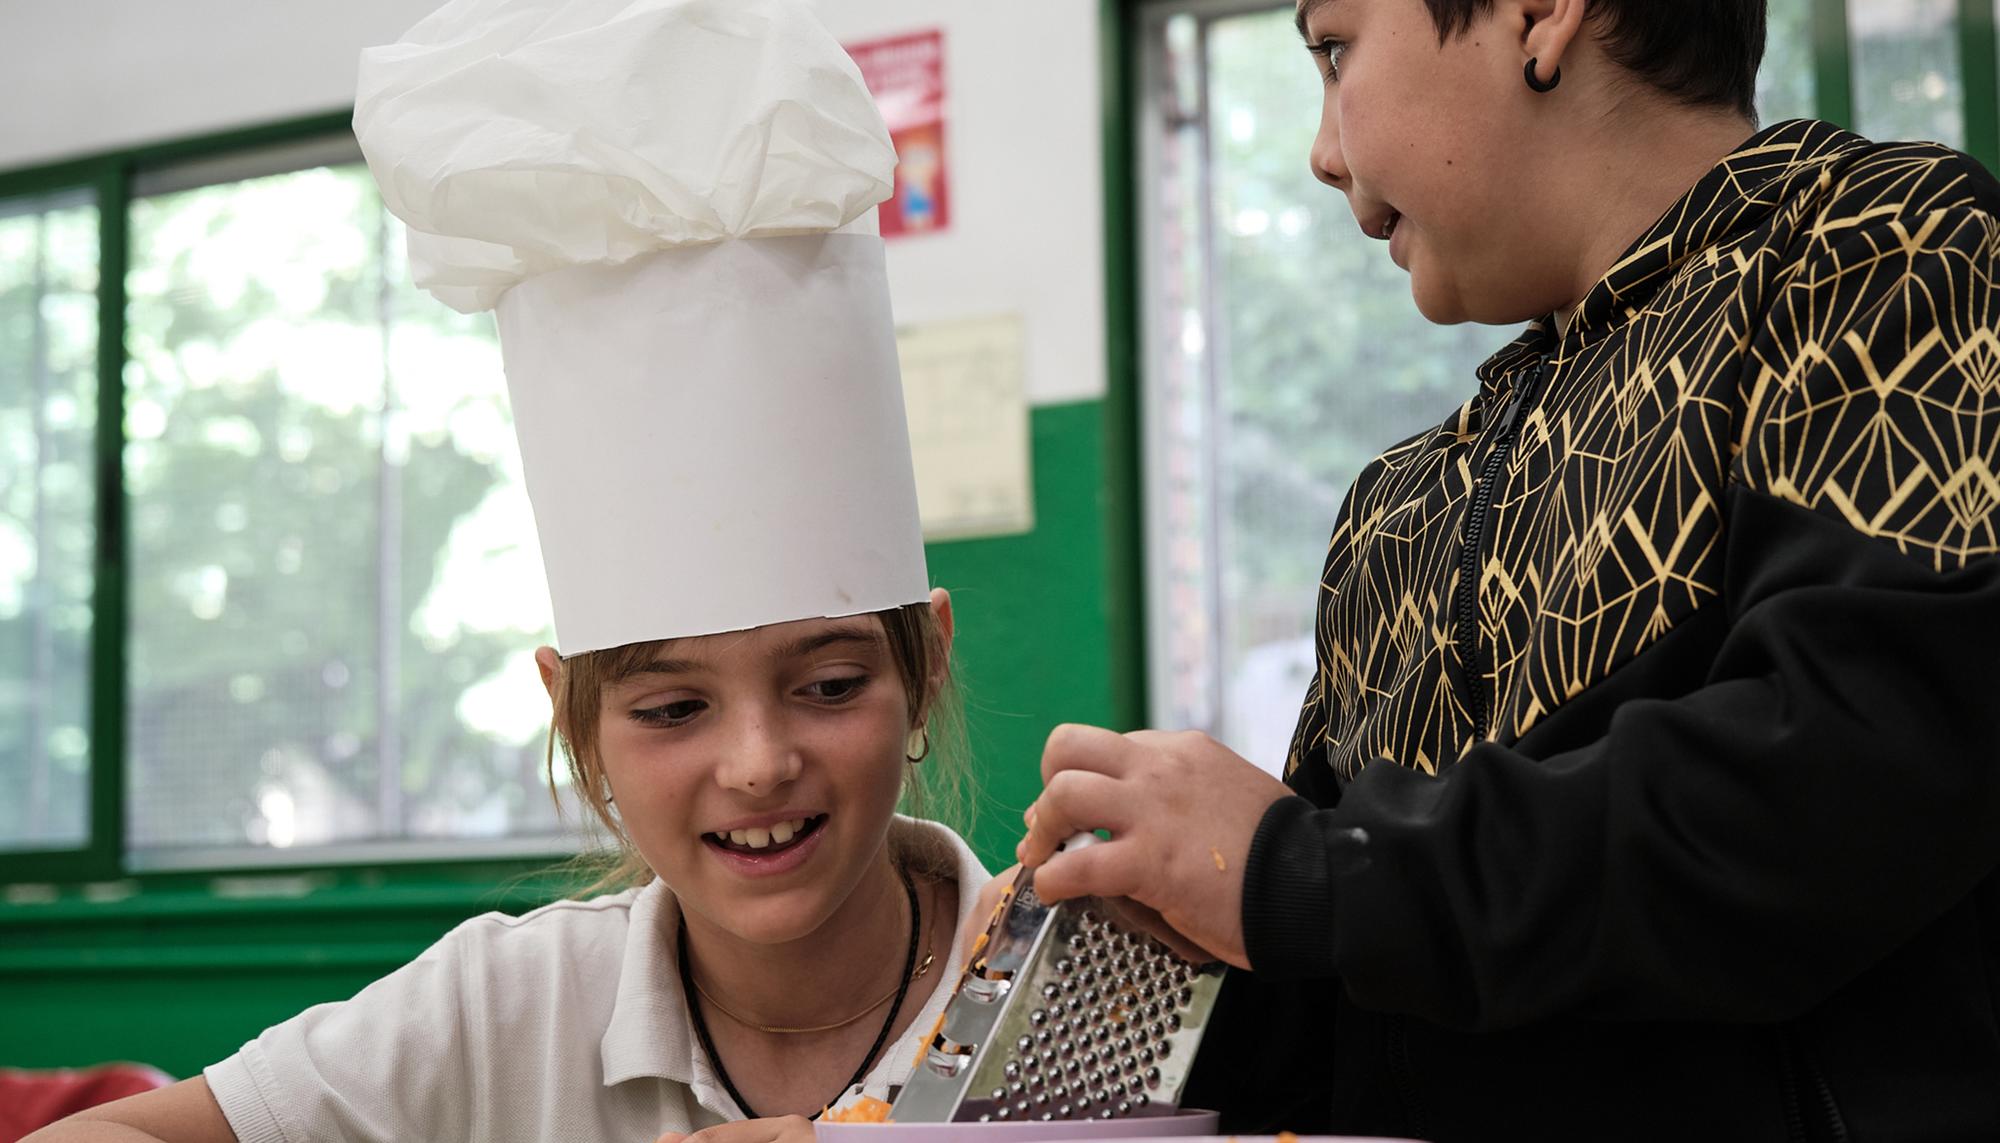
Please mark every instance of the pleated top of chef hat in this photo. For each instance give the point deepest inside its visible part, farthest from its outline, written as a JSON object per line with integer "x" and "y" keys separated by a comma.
{"x": 670, "y": 206}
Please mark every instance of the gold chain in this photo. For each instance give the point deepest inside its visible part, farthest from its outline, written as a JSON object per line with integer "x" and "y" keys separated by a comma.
{"x": 915, "y": 976}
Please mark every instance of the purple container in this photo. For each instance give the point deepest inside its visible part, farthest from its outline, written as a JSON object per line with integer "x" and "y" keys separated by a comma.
{"x": 1181, "y": 1124}
{"x": 1265, "y": 1139}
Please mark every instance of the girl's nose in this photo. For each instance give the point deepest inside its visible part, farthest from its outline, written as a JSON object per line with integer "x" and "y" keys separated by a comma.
{"x": 763, "y": 761}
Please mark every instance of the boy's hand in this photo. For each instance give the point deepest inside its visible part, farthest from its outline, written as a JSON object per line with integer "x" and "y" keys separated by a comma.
{"x": 1181, "y": 809}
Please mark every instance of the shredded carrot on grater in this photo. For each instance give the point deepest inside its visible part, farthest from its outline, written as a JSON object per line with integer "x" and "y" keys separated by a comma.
{"x": 925, "y": 1044}
{"x": 867, "y": 1109}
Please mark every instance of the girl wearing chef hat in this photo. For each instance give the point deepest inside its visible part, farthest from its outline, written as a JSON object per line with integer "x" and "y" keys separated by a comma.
{"x": 669, "y": 206}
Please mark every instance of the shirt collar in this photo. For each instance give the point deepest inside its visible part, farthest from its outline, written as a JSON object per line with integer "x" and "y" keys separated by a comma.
{"x": 649, "y": 1033}
{"x": 1735, "y": 197}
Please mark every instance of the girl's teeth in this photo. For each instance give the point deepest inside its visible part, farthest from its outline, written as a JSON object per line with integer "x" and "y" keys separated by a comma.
{"x": 780, "y": 834}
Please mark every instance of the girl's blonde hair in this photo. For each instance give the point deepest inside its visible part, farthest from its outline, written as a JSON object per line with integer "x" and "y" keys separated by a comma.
{"x": 937, "y": 788}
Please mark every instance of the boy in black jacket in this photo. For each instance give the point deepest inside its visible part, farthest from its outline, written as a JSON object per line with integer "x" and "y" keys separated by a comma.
{"x": 1649, "y": 786}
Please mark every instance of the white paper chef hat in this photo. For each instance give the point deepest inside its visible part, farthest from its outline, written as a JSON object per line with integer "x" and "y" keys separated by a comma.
{"x": 670, "y": 205}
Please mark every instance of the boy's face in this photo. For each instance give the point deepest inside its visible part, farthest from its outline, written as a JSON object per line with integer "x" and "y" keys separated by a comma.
{"x": 1427, "y": 140}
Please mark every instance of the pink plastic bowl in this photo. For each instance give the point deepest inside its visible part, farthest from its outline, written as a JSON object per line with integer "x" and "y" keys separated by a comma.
{"x": 1267, "y": 1139}
{"x": 1176, "y": 1126}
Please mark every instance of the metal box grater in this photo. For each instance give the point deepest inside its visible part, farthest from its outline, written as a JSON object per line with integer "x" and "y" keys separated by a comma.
{"x": 1061, "y": 1014}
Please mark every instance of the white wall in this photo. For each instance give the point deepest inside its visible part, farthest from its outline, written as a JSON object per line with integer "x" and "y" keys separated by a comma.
{"x": 1026, "y": 232}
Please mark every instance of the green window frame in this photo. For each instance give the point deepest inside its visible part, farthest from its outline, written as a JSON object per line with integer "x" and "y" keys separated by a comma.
{"x": 100, "y": 867}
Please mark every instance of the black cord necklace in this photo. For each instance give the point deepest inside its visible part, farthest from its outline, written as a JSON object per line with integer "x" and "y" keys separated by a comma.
{"x": 860, "y": 1073}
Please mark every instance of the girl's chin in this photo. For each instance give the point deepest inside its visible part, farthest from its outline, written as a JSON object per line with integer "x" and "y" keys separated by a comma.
{"x": 780, "y": 919}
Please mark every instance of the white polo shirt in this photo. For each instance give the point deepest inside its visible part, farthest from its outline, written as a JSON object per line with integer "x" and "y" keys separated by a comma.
{"x": 565, "y": 1023}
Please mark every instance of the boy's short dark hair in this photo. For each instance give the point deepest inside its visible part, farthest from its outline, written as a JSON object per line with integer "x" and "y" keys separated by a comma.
{"x": 1702, "y": 52}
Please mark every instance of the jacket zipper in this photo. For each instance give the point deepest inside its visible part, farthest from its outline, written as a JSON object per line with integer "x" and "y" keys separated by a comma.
{"x": 1788, "y": 1074}
{"x": 1466, "y": 606}
{"x": 1829, "y": 1124}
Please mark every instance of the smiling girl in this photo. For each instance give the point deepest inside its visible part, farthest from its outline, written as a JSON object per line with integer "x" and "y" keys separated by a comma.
{"x": 693, "y": 309}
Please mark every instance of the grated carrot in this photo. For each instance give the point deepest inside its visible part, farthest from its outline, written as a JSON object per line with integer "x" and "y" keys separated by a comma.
{"x": 867, "y": 1109}
{"x": 925, "y": 1044}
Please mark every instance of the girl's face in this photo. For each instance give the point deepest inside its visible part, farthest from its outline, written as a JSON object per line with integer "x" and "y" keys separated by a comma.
{"x": 756, "y": 771}
{"x": 1432, "y": 144}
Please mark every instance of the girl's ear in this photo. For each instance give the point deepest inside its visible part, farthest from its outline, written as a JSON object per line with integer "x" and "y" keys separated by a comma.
{"x": 548, "y": 663}
{"x": 941, "y": 607}
{"x": 941, "y": 669}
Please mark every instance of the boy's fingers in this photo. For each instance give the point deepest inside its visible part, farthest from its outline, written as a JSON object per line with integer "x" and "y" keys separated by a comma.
{"x": 1101, "y": 870}
{"x": 1075, "y": 800}
{"x": 1073, "y": 746}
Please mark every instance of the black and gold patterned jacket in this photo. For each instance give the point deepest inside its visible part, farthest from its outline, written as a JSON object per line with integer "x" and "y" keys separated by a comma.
{"x": 1651, "y": 775}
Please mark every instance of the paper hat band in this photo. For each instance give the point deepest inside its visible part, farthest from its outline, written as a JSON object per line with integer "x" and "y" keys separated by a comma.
{"x": 714, "y": 438}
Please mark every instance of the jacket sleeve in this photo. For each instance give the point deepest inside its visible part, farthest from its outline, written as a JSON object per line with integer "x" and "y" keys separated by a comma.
{"x": 1740, "y": 851}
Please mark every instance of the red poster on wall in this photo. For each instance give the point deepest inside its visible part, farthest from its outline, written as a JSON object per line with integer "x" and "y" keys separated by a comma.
{"x": 905, "y": 74}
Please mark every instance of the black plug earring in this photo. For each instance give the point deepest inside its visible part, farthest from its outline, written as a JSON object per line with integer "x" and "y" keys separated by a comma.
{"x": 1537, "y": 84}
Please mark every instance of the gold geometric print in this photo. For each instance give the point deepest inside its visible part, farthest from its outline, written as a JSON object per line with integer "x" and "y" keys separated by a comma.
{"x": 1816, "y": 320}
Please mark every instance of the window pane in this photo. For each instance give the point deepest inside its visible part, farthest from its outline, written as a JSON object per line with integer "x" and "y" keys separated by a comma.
{"x": 48, "y": 425}
{"x": 1785, "y": 81}
{"x": 335, "y": 588}
{"x": 1300, "y": 356}
{"x": 1906, "y": 70}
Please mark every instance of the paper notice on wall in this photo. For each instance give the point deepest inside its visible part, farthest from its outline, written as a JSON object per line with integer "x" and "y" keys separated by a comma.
{"x": 905, "y": 74}
{"x": 962, "y": 387}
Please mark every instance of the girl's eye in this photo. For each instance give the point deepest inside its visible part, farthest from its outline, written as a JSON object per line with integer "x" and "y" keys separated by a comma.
{"x": 669, "y": 713}
{"x": 1332, "y": 51}
{"x": 837, "y": 690}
